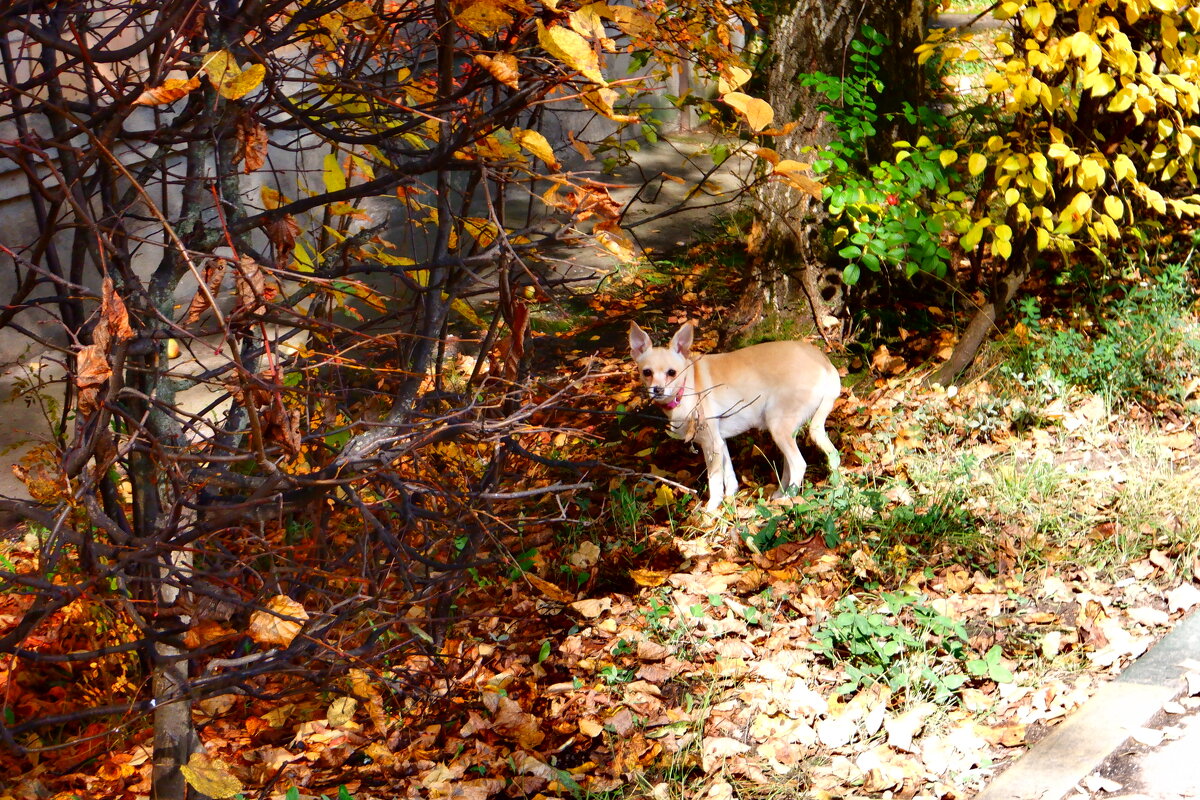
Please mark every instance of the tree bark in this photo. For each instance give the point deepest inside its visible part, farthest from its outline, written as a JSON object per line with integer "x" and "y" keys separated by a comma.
{"x": 790, "y": 273}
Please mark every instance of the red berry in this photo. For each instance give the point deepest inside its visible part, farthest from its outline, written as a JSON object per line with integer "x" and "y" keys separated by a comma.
{"x": 892, "y": 199}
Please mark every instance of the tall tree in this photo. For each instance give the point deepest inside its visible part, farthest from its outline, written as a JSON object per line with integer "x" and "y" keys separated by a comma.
{"x": 790, "y": 264}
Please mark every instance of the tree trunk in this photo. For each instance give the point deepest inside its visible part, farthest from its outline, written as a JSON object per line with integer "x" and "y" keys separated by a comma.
{"x": 790, "y": 273}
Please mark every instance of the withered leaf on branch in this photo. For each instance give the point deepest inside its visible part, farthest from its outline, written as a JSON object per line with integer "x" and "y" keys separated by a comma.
{"x": 251, "y": 284}
{"x": 282, "y": 233}
{"x": 214, "y": 273}
{"x": 282, "y": 426}
{"x": 251, "y": 144}
{"x": 92, "y": 367}
{"x": 502, "y": 67}
{"x": 167, "y": 92}
{"x": 114, "y": 315}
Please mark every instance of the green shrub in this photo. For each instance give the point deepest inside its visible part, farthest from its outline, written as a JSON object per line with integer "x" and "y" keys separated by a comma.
{"x": 1143, "y": 346}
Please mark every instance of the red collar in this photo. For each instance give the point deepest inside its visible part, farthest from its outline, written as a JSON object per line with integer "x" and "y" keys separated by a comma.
{"x": 673, "y": 404}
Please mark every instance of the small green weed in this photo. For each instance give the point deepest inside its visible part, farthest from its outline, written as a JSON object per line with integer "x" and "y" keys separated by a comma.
{"x": 903, "y": 643}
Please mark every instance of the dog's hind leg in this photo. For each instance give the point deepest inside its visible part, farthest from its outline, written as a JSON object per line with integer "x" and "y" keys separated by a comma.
{"x": 816, "y": 431}
{"x": 783, "y": 431}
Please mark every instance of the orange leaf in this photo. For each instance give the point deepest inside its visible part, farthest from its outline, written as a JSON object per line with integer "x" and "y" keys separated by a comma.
{"x": 168, "y": 92}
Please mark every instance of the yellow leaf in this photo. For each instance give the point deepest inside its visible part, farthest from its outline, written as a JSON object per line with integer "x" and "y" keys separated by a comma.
{"x": 758, "y": 113}
{"x": 1114, "y": 207}
{"x": 972, "y": 237}
{"x": 664, "y": 496}
{"x": 243, "y": 84}
{"x": 571, "y": 49}
{"x": 335, "y": 179}
{"x": 536, "y": 143}
{"x": 789, "y": 165}
{"x": 732, "y": 78}
{"x": 227, "y": 77}
{"x": 648, "y": 577}
{"x": 485, "y": 18}
{"x": 210, "y": 777}
{"x": 601, "y": 101}
{"x": 1043, "y": 238}
{"x": 464, "y": 308}
{"x": 977, "y": 163}
{"x": 947, "y": 157}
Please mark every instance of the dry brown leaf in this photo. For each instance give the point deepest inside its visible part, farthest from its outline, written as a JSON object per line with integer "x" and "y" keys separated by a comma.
{"x": 1182, "y": 597}
{"x": 341, "y": 711}
{"x": 502, "y": 67}
{"x": 113, "y": 314}
{"x": 92, "y": 371}
{"x": 251, "y": 286}
{"x": 268, "y": 628}
{"x": 214, "y": 273}
{"x": 512, "y": 722}
{"x": 716, "y": 750}
{"x": 282, "y": 232}
{"x": 836, "y": 732}
{"x": 903, "y": 729}
{"x": 252, "y": 143}
{"x": 592, "y": 607}
{"x": 590, "y": 728}
{"x": 206, "y": 632}
{"x": 1010, "y": 734}
{"x": 281, "y": 425}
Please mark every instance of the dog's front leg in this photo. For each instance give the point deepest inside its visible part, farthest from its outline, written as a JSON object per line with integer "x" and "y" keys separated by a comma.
{"x": 722, "y": 481}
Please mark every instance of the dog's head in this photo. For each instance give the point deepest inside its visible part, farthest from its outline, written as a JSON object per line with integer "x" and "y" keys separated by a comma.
{"x": 663, "y": 369}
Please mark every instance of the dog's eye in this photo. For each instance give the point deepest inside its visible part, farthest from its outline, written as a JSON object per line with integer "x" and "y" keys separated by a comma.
{"x": 647, "y": 372}
{"x": 670, "y": 373}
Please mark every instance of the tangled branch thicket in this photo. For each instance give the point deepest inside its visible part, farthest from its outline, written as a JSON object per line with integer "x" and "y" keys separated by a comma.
{"x": 243, "y": 235}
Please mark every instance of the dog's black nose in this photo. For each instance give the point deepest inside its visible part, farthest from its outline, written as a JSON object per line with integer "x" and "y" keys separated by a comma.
{"x": 656, "y": 391}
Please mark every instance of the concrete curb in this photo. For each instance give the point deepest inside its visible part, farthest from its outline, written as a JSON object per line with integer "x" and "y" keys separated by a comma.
{"x": 1054, "y": 765}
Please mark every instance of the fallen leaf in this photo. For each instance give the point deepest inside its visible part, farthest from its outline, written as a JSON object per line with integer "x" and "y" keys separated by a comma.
{"x": 341, "y": 711}
{"x": 716, "y": 750}
{"x": 836, "y": 731}
{"x": 210, "y": 776}
{"x": 903, "y": 729}
{"x": 592, "y": 607}
{"x": 550, "y": 590}
{"x": 1182, "y": 597}
{"x": 268, "y": 627}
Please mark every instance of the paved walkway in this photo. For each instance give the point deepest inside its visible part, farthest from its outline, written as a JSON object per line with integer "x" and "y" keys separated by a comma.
{"x": 1138, "y": 738}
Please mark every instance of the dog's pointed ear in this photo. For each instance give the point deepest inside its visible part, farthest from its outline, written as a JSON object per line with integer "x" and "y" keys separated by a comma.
{"x": 681, "y": 342}
{"x": 639, "y": 340}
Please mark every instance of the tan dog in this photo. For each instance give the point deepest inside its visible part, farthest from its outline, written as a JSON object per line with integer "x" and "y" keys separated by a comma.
{"x": 774, "y": 386}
